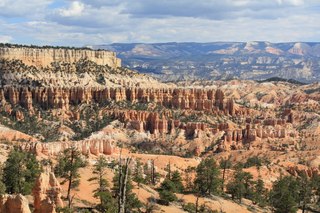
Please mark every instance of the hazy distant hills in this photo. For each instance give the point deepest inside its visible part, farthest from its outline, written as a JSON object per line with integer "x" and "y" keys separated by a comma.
{"x": 222, "y": 60}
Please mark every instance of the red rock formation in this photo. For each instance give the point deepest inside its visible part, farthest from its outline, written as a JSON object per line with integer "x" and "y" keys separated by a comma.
{"x": 195, "y": 99}
{"x": 14, "y": 204}
{"x": 299, "y": 170}
{"x": 47, "y": 193}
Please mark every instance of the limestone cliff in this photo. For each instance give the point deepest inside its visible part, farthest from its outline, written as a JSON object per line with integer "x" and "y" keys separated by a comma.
{"x": 43, "y": 57}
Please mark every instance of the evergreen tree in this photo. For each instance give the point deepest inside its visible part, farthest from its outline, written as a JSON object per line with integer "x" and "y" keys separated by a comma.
{"x": 138, "y": 173}
{"x": 253, "y": 161}
{"x": 260, "y": 193}
{"x": 241, "y": 185}
{"x": 20, "y": 172}
{"x": 69, "y": 163}
{"x": 168, "y": 170}
{"x": 2, "y": 186}
{"x": 305, "y": 192}
{"x": 166, "y": 191}
{"x": 315, "y": 181}
{"x": 188, "y": 179}
{"x": 224, "y": 165}
{"x": 177, "y": 181}
{"x": 131, "y": 200}
{"x": 107, "y": 203}
{"x": 207, "y": 180}
{"x": 284, "y": 196}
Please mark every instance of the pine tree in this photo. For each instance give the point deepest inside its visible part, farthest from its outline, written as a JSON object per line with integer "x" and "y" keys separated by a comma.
{"x": 284, "y": 196}
{"x": 20, "y": 172}
{"x": 305, "y": 192}
{"x": 177, "y": 181}
{"x": 260, "y": 193}
{"x": 168, "y": 170}
{"x": 208, "y": 179}
{"x": 107, "y": 203}
{"x": 138, "y": 173}
{"x": 188, "y": 179}
{"x": 241, "y": 185}
{"x": 224, "y": 165}
{"x": 2, "y": 186}
{"x": 69, "y": 163}
{"x": 166, "y": 191}
{"x": 122, "y": 188}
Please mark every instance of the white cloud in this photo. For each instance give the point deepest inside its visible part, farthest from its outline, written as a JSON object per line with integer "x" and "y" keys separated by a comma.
{"x": 292, "y": 2}
{"x": 22, "y": 8}
{"x": 5, "y": 39}
{"x": 75, "y": 9}
{"x": 84, "y": 22}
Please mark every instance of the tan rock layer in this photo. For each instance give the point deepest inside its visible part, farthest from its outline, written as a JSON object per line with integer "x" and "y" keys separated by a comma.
{"x": 43, "y": 57}
{"x": 94, "y": 147}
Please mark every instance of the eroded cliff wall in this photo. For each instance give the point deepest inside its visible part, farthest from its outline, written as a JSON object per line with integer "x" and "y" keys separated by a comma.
{"x": 43, "y": 57}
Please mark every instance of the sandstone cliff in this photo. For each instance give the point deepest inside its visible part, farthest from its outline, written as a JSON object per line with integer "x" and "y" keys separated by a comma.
{"x": 43, "y": 57}
{"x": 86, "y": 147}
{"x": 14, "y": 204}
{"x": 47, "y": 193}
{"x": 179, "y": 98}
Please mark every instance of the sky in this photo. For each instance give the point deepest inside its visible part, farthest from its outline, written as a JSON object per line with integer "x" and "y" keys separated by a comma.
{"x": 94, "y": 22}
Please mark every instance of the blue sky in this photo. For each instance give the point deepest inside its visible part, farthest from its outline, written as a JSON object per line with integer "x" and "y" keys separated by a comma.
{"x": 85, "y": 22}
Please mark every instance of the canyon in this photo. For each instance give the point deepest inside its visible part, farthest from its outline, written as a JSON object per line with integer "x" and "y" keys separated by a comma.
{"x": 52, "y": 99}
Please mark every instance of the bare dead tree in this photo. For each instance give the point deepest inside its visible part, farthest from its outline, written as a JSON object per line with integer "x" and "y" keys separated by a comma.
{"x": 153, "y": 179}
{"x": 123, "y": 180}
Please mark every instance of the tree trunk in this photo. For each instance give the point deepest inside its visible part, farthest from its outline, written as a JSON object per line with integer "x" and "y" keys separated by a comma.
{"x": 123, "y": 186}
{"x": 120, "y": 183}
{"x": 223, "y": 175}
{"x": 152, "y": 173}
{"x": 70, "y": 179}
{"x": 197, "y": 203}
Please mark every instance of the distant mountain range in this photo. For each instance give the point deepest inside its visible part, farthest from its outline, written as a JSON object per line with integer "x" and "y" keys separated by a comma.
{"x": 222, "y": 60}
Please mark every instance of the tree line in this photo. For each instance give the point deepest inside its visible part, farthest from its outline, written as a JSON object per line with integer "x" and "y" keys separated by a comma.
{"x": 9, "y": 45}
{"x": 288, "y": 193}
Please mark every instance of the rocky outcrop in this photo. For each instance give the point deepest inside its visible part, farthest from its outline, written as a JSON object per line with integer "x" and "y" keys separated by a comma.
{"x": 94, "y": 147}
{"x": 47, "y": 193}
{"x": 237, "y": 138}
{"x": 43, "y": 57}
{"x": 155, "y": 123}
{"x": 14, "y": 204}
{"x": 193, "y": 99}
{"x": 299, "y": 170}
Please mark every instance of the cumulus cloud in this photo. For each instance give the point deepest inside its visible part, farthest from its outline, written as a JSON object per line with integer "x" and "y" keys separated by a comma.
{"x": 293, "y": 2}
{"x": 5, "y": 39}
{"x": 22, "y": 8}
{"x": 88, "y": 16}
{"x": 75, "y": 9}
{"x": 210, "y": 9}
{"x": 80, "y": 22}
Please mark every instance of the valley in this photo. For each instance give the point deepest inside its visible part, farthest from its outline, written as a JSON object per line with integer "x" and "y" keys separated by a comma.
{"x": 53, "y": 100}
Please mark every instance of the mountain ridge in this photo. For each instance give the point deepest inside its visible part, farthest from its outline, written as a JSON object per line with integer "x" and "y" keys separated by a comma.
{"x": 257, "y": 60}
